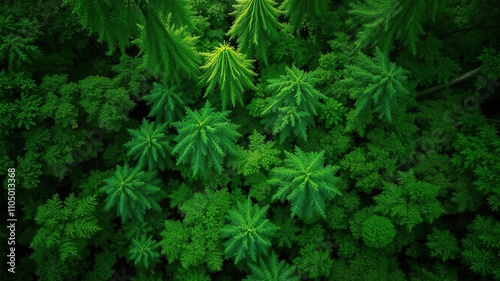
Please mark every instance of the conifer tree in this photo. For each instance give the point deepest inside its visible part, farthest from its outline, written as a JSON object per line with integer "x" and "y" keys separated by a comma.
{"x": 132, "y": 192}
{"x": 231, "y": 71}
{"x": 297, "y": 10}
{"x": 205, "y": 138}
{"x": 167, "y": 47}
{"x": 166, "y": 103}
{"x": 305, "y": 182}
{"x": 144, "y": 251}
{"x": 384, "y": 21}
{"x": 16, "y": 43}
{"x": 377, "y": 83}
{"x": 249, "y": 232}
{"x": 270, "y": 269}
{"x": 256, "y": 26}
{"x": 293, "y": 103}
{"x": 149, "y": 145}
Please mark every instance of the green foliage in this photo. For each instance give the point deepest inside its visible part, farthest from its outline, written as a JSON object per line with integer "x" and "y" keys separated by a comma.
{"x": 313, "y": 260}
{"x": 169, "y": 52}
{"x": 132, "y": 192}
{"x": 231, "y": 71}
{"x": 105, "y": 103}
{"x": 16, "y": 42}
{"x": 332, "y": 111}
{"x": 376, "y": 82}
{"x": 144, "y": 252}
{"x": 305, "y": 182}
{"x": 260, "y": 155}
{"x": 197, "y": 240}
{"x": 384, "y": 21}
{"x": 297, "y": 11}
{"x": 167, "y": 103}
{"x": 113, "y": 25}
{"x": 249, "y": 232}
{"x": 205, "y": 138}
{"x": 481, "y": 247}
{"x": 411, "y": 202}
{"x": 149, "y": 145}
{"x": 378, "y": 232}
{"x": 256, "y": 26}
{"x": 272, "y": 270}
{"x": 442, "y": 244}
{"x": 65, "y": 228}
{"x": 479, "y": 153}
{"x": 293, "y": 103}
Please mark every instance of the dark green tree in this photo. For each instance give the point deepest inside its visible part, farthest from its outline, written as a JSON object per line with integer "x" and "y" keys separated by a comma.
{"x": 384, "y": 21}
{"x": 132, "y": 192}
{"x": 376, "y": 83}
{"x": 256, "y": 26}
{"x": 205, "y": 138}
{"x": 16, "y": 41}
{"x": 378, "y": 232}
{"x": 167, "y": 103}
{"x": 249, "y": 232}
{"x": 231, "y": 71}
{"x": 65, "y": 228}
{"x": 410, "y": 202}
{"x": 305, "y": 182}
{"x": 149, "y": 145}
{"x": 292, "y": 104}
{"x": 168, "y": 50}
{"x": 144, "y": 251}
{"x": 270, "y": 269}
{"x": 298, "y": 11}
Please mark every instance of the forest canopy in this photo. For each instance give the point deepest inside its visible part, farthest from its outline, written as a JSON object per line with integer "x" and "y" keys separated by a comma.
{"x": 272, "y": 140}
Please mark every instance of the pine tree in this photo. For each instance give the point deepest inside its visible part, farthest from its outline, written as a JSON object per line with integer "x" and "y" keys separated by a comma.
{"x": 16, "y": 41}
{"x": 149, "y": 145}
{"x": 293, "y": 103}
{"x": 249, "y": 232}
{"x": 167, "y": 47}
{"x": 377, "y": 83}
{"x": 481, "y": 247}
{"x": 442, "y": 244}
{"x": 270, "y": 269}
{"x": 256, "y": 26}
{"x": 386, "y": 20}
{"x": 205, "y": 138}
{"x": 144, "y": 251}
{"x": 168, "y": 51}
{"x": 297, "y": 10}
{"x": 231, "y": 71}
{"x": 167, "y": 103}
{"x": 305, "y": 182}
{"x": 132, "y": 192}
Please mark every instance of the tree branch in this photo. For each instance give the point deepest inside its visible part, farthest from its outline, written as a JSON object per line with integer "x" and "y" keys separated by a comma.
{"x": 454, "y": 81}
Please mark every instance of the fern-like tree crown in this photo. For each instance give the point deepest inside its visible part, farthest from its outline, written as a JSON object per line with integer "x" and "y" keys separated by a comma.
{"x": 293, "y": 103}
{"x": 149, "y": 145}
{"x": 205, "y": 138}
{"x": 230, "y": 70}
{"x": 305, "y": 182}
{"x": 249, "y": 232}
{"x": 256, "y": 26}
{"x": 377, "y": 83}
{"x": 132, "y": 192}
